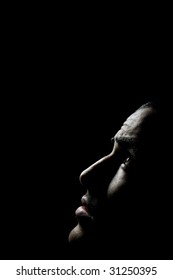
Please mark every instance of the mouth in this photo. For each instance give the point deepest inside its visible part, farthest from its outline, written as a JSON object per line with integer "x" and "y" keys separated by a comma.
{"x": 84, "y": 218}
{"x": 82, "y": 211}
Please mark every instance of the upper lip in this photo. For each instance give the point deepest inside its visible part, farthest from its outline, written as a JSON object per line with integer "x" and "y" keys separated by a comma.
{"x": 84, "y": 203}
{"x": 87, "y": 205}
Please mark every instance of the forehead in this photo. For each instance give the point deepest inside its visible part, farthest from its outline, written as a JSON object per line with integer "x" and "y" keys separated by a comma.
{"x": 137, "y": 123}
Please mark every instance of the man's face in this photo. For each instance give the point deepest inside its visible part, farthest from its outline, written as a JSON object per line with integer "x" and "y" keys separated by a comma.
{"x": 109, "y": 181}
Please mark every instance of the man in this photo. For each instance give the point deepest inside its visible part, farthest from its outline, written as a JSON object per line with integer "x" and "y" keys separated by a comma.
{"x": 121, "y": 213}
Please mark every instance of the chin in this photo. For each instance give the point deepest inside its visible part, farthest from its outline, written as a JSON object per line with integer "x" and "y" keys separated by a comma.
{"x": 76, "y": 234}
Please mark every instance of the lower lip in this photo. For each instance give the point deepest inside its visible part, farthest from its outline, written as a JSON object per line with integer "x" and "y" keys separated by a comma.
{"x": 82, "y": 212}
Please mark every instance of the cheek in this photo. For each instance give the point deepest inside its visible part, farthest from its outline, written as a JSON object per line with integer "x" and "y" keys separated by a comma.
{"x": 117, "y": 184}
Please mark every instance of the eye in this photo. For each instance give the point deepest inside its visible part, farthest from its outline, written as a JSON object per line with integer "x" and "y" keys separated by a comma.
{"x": 128, "y": 161}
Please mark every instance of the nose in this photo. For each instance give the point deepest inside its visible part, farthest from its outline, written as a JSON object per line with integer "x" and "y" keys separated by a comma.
{"x": 97, "y": 176}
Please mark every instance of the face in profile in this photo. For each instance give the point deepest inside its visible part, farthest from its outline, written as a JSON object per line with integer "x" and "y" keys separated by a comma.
{"x": 114, "y": 183}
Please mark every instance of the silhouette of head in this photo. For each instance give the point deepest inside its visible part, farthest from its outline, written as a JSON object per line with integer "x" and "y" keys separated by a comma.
{"x": 120, "y": 212}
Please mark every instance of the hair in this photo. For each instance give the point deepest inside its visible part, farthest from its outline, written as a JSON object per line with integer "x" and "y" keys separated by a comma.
{"x": 144, "y": 230}
{"x": 146, "y": 105}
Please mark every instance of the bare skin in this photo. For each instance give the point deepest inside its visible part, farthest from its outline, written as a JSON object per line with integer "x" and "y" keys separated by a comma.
{"x": 108, "y": 181}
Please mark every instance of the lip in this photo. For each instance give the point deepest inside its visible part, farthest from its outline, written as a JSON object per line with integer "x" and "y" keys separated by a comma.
{"x": 84, "y": 218}
{"x": 82, "y": 211}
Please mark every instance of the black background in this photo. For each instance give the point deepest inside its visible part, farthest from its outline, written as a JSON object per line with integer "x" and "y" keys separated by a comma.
{"x": 70, "y": 81}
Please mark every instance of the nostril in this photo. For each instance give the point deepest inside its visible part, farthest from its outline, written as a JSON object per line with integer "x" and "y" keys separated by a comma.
{"x": 86, "y": 177}
{"x": 94, "y": 174}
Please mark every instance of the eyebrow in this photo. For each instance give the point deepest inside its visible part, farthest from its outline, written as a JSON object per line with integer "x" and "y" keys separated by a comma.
{"x": 126, "y": 141}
